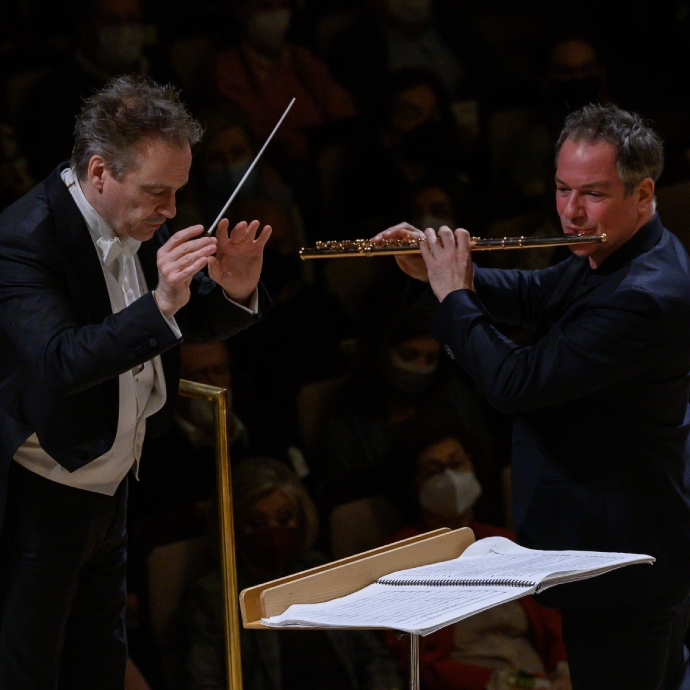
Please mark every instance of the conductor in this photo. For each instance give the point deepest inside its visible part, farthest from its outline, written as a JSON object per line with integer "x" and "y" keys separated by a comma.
{"x": 600, "y": 398}
{"x": 94, "y": 298}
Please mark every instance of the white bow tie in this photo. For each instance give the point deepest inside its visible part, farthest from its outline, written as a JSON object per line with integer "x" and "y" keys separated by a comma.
{"x": 124, "y": 250}
{"x": 112, "y": 249}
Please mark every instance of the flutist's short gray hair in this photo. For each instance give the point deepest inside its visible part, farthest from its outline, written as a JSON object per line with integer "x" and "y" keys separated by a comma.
{"x": 640, "y": 148}
{"x": 124, "y": 112}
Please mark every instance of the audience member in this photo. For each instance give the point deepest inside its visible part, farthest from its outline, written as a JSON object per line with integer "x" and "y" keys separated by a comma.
{"x": 178, "y": 468}
{"x": 390, "y": 34}
{"x": 413, "y": 138}
{"x": 434, "y": 481}
{"x": 223, "y": 158}
{"x": 264, "y": 72}
{"x": 298, "y": 341}
{"x": 110, "y": 40}
{"x": 401, "y": 377}
{"x": 275, "y": 526}
{"x": 573, "y": 76}
{"x": 15, "y": 180}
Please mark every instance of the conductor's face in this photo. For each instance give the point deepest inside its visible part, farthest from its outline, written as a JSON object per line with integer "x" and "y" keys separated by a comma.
{"x": 591, "y": 198}
{"x": 144, "y": 198}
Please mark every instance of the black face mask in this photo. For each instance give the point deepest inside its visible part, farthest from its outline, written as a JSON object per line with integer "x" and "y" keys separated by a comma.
{"x": 429, "y": 143}
{"x": 573, "y": 94}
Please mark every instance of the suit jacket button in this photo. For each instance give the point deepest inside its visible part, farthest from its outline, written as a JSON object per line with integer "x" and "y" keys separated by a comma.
{"x": 153, "y": 342}
{"x": 449, "y": 352}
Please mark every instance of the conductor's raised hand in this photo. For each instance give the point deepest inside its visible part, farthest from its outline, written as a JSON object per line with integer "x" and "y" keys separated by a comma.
{"x": 448, "y": 261}
{"x": 236, "y": 267}
{"x": 178, "y": 260}
{"x": 412, "y": 264}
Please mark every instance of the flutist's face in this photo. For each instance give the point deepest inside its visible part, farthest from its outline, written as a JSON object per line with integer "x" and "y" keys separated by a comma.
{"x": 591, "y": 198}
{"x": 139, "y": 203}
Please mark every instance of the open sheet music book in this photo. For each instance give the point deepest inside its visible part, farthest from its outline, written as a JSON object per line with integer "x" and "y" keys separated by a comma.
{"x": 422, "y": 600}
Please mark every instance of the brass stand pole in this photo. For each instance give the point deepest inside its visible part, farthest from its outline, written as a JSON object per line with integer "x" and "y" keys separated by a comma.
{"x": 218, "y": 396}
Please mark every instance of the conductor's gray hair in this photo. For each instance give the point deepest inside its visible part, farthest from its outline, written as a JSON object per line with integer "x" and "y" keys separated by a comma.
{"x": 640, "y": 150}
{"x": 124, "y": 112}
{"x": 254, "y": 478}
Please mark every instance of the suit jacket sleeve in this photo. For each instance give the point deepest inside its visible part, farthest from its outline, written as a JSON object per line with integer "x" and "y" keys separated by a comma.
{"x": 43, "y": 321}
{"x": 602, "y": 344}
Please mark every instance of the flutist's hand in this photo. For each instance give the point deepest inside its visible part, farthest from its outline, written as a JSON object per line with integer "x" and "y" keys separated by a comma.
{"x": 236, "y": 267}
{"x": 178, "y": 260}
{"x": 448, "y": 260}
{"x": 412, "y": 264}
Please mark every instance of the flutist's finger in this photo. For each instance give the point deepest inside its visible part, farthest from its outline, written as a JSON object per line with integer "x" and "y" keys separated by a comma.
{"x": 446, "y": 239}
{"x": 402, "y": 231}
{"x": 432, "y": 242}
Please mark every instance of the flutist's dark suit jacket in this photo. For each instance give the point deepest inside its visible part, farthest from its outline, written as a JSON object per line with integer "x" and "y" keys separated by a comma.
{"x": 62, "y": 348}
{"x": 601, "y": 452}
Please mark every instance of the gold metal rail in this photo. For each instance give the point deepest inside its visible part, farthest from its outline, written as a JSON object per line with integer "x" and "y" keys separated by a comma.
{"x": 218, "y": 398}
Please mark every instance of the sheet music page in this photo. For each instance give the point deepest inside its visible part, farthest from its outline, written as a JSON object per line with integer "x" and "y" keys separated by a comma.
{"x": 497, "y": 558}
{"x": 424, "y": 608}
{"x": 416, "y": 609}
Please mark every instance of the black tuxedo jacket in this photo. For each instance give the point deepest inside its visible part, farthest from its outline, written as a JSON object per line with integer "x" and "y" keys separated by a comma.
{"x": 61, "y": 347}
{"x": 600, "y": 440}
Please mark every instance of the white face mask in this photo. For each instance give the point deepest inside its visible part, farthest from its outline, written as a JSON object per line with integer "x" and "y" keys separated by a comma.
{"x": 267, "y": 29}
{"x": 410, "y": 12}
{"x": 120, "y": 46}
{"x": 450, "y": 493}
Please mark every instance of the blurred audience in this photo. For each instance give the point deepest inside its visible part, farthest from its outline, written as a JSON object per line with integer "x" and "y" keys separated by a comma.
{"x": 178, "y": 468}
{"x": 435, "y": 482}
{"x": 264, "y": 72}
{"x": 414, "y": 137}
{"x": 223, "y": 158}
{"x": 299, "y": 340}
{"x": 390, "y": 34}
{"x": 401, "y": 377}
{"x": 275, "y": 526}
{"x": 110, "y": 39}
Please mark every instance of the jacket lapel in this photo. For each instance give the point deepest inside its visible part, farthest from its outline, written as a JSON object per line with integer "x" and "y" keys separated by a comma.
{"x": 74, "y": 240}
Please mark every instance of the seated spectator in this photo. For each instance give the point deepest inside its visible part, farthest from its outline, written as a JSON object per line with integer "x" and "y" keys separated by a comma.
{"x": 434, "y": 481}
{"x": 400, "y": 378}
{"x": 275, "y": 526}
{"x": 110, "y": 41}
{"x": 413, "y": 138}
{"x": 223, "y": 158}
{"x": 298, "y": 341}
{"x": 264, "y": 72}
{"x": 390, "y": 34}
{"x": 178, "y": 468}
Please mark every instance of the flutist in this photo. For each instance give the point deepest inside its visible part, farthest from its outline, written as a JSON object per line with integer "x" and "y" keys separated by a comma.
{"x": 94, "y": 298}
{"x": 601, "y": 441}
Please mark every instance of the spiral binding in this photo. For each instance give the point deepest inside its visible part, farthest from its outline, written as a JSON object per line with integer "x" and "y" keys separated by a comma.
{"x": 456, "y": 583}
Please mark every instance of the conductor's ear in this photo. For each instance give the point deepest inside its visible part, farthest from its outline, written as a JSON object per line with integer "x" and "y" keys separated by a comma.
{"x": 96, "y": 171}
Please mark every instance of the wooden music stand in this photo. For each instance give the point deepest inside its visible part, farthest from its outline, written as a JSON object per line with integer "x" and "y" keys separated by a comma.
{"x": 348, "y": 575}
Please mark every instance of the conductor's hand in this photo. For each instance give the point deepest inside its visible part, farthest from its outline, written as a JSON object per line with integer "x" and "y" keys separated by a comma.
{"x": 178, "y": 260}
{"x": 412, "y": 264}
{"x": 448, "y": 261}
{"x": 236, "y": 267}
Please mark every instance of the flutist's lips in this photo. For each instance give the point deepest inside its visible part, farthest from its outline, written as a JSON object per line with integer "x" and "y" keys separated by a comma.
{"x": 575, "y": 230}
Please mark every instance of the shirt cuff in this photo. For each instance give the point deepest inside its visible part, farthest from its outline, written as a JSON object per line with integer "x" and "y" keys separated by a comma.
{"x": 253, "y": 306}
{"x": 171, "y": 322}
